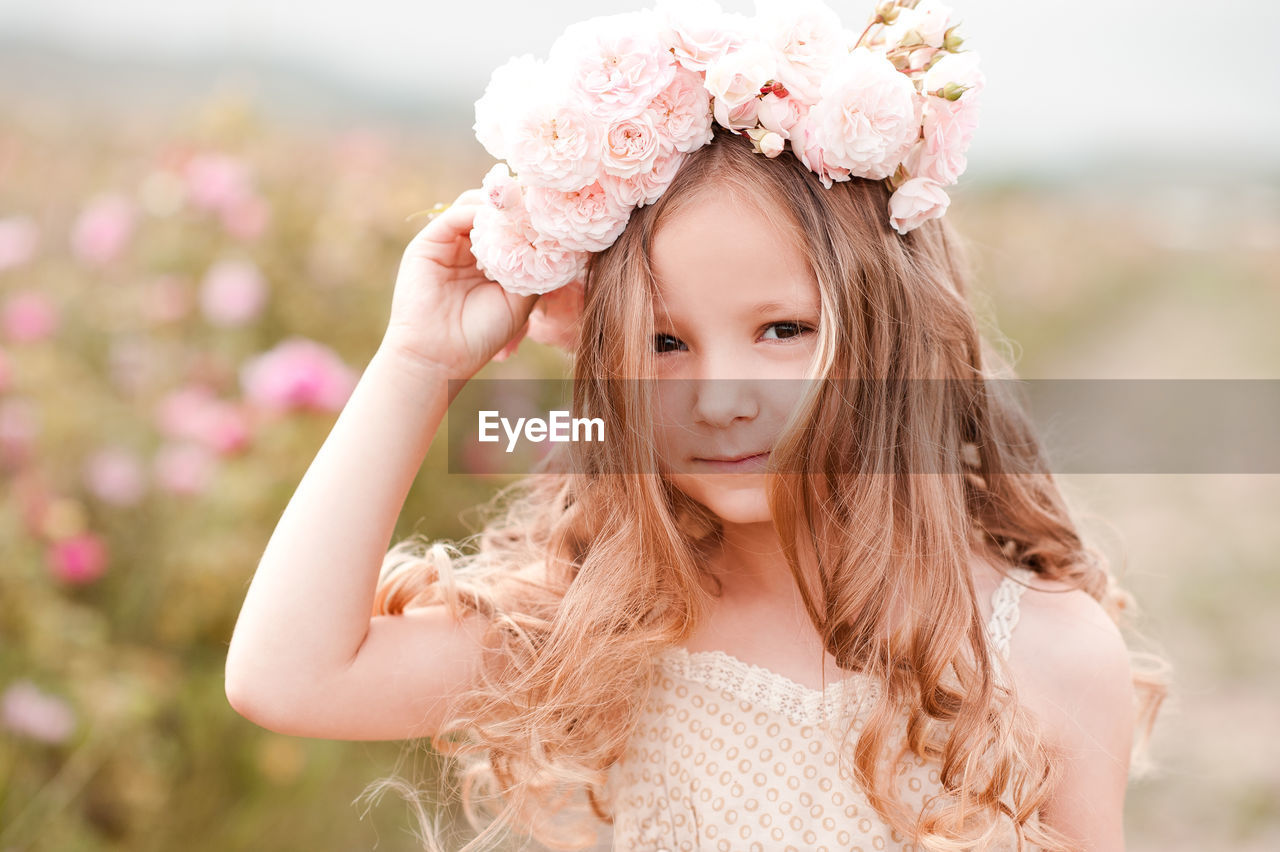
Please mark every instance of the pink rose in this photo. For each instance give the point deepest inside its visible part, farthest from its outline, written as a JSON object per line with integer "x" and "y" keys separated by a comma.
{"x": 949, "y": 126}
{"x": 103, "y": 229}
{"x": 502, "y": 189}
{"x": 615, "y": 62}
{"x": 682, "y": 112}
{"x": 868, "y": 116}
{"x": 233, "y": 293}
{"x": 29, "y": 316}
{"x": 18, "y": 239}
{"x": 298, "y": 374}
{"x": 780, "y": 114}
{"x": 510, "y": 251}
{"x": 806, "y": 143}
{"x": 646, "y": 188}
{"x": 78, "y": 559}
{"x": 631, "y": 146}
{"x": 807, "y": 38}
{"x": 916, "y": 202}
{"x": 697, "y": 32}
{"x": 115, "y": 475}
{"x": 29, "y": 711}
{"x": 554, "y": 143}
{"x": 184, "y": 469}
{"x": 588, "y": 219}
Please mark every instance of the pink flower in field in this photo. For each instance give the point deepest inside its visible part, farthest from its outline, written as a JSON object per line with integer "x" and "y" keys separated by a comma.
{"x": 28, "y": 316}
{"x": 168, "y": 300}
{"x": 103, "y": 229}
{"x": 18, "y": 239}
{"x": 916, "y": 202}
{"x": 115, "y": 475}
{"x": 247, "y": 218}
{"x": 184, "y": 468}
{"x": 194, "y": 413}
{"x": 298, "y": 374}
{"x": 215, "y": 182}
{"x": 29, "y": 711}
{"x": 78, "y": 559}
{"x": 32, "y": 495}
{"x": 232, "y": 293}
{"x": 588, "y": 219}
{"x": 19, "y": 426}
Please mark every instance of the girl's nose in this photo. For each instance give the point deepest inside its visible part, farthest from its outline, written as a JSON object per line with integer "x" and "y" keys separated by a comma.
{"x": 720, "y": 401}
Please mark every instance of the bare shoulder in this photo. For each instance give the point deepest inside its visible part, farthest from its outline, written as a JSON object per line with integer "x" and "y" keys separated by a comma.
{"x": 1071, "y": 666}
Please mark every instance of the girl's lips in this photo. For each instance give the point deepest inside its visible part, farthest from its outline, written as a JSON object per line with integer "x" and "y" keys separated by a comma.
{"x": 756, "y": 462}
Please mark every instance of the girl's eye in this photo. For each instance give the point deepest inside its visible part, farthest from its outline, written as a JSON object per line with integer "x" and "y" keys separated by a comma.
{"x": 663, "y": 343}
{"x": 794, "y": 329}
{"x": 660, "y": 341}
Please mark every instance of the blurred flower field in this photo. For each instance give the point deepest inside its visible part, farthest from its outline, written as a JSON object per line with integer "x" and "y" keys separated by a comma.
{"x": 185, "y": 305}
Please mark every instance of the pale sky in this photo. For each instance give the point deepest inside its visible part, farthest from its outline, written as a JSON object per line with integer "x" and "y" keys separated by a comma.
{"x": 1067, "y": 79}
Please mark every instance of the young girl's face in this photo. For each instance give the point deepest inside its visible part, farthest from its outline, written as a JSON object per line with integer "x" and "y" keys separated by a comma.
{"x": 735, "y": 321}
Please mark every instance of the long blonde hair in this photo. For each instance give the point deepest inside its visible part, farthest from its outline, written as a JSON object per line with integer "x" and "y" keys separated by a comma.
{"x": 891, "y": 507}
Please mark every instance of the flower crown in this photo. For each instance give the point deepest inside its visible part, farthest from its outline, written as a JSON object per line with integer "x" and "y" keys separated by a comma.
{"x": 601, "y": 127}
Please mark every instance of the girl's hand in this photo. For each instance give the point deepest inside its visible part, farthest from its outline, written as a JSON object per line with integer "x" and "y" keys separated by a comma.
{"x": 444, "y": 313}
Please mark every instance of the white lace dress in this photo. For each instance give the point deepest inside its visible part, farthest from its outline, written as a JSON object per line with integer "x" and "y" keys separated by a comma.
{"x": 732, "y": 756}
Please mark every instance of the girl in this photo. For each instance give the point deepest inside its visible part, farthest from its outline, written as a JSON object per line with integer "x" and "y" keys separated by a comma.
{"x": 776, "y": 608}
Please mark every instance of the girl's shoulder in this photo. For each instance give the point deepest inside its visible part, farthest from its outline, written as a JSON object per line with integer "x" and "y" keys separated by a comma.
{"x": 1067, "y": 656}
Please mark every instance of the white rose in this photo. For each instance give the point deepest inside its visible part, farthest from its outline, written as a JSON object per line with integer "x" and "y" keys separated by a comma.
{"x": 737, "y": 76}
{"x": 807, "y": 38}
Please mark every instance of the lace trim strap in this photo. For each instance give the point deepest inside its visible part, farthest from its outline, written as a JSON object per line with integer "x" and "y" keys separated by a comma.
{"x": 1004, "y": 608}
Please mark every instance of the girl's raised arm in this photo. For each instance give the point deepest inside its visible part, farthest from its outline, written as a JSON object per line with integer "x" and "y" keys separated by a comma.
{"x": 306, "y": 657}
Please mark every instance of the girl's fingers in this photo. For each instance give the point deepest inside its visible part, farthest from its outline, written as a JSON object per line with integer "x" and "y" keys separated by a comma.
{"x": 438, "y": 240}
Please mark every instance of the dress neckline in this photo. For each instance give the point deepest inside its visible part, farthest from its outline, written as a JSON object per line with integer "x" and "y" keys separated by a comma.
{"x": 762, "y": 686}
{"x": 804, "y": 704}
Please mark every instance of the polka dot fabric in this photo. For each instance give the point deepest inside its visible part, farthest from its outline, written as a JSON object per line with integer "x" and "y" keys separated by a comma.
{"x": 733, "y": 757}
